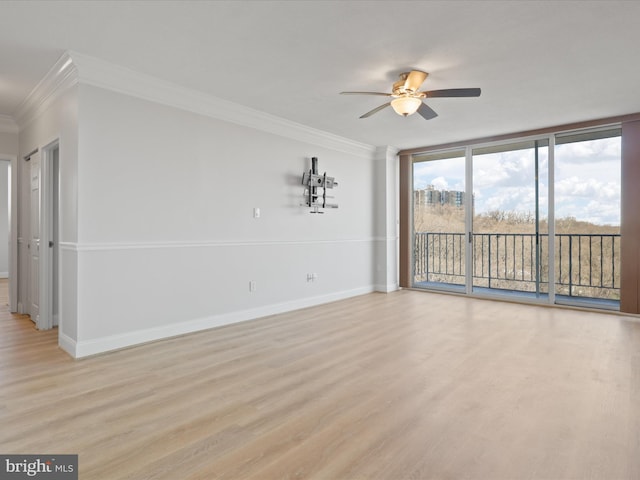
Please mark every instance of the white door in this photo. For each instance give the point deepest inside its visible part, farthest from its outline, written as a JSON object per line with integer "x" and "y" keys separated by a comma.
{"x": 34, "y": 238}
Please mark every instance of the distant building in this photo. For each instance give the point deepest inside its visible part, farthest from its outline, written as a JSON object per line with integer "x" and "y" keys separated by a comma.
{"x": 431, "y": 197}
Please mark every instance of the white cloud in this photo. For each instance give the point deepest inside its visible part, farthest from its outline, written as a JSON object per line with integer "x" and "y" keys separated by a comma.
{"x": 448, "y": 173}
{"x": 587, "y": 188}
{"x": 602, "y": 150}
{"x": 603, "y": 213}
{"x": 505, "y": 169}
{"x": 440, "y": 183}
{"x": 507, "y": 199}
{"x": 587, "y": 180}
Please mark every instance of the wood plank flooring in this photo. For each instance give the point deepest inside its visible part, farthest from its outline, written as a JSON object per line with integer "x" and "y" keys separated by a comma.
{"x": 407, "y": 385}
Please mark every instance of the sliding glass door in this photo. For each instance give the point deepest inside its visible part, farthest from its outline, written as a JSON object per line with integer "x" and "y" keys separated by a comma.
{"x": 537, "y": 218}
{"x": 510, "y": 218}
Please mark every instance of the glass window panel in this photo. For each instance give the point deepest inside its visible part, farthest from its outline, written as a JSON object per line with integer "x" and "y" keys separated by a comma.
{"x": 439, "y": 220}
{"x": 510, "y": 212}
{"x": 587, "y": 217}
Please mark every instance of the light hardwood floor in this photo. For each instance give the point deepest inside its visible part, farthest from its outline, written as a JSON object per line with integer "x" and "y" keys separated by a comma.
{"x": 407, "y": 385}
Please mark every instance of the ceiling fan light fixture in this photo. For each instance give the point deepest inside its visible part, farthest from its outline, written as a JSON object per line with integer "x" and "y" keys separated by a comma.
{"x": 406, "y": 105}
{"x": 407, "y": 97}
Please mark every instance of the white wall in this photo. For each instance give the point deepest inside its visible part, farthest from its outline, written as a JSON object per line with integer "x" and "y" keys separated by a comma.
{"x": 386, "y": 221}
{"x": 8, "y": 142}
{"x": 166, "y": 238}
{"x": 4, "y": 218}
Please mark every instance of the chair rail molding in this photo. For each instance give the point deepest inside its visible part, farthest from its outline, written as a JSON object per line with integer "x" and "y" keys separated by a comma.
{"x": 113, "y": 246}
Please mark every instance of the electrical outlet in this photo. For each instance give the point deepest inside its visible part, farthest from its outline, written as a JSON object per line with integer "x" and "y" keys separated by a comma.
{"x": 252, "y": 286}
{"x": 256, "y": 212}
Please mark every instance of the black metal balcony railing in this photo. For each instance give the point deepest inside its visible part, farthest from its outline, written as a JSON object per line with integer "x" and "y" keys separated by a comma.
{"x": 586, "y": 265}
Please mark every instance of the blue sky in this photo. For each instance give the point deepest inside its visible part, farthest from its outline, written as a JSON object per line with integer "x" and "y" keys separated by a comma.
{"x": 587, "y": 180}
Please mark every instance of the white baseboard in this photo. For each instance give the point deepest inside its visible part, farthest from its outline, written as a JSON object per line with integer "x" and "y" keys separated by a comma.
{"x": 114, "y": 342}
{"x": 4, "y": 274}
{"x": 67, "y": 344}
{"x": 392, "y": 287}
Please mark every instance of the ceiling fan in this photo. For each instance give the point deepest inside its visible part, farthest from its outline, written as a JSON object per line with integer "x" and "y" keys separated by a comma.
{"x": 407, "y": 100}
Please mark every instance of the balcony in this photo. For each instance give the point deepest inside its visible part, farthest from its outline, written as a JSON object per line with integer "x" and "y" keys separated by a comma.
{"x": 587, "y": 266}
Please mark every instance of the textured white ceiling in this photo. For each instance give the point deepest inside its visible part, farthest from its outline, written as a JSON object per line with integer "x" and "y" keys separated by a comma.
{"x": 539, "y": 63}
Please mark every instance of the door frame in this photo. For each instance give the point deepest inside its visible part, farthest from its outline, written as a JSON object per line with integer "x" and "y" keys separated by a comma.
{"x": 49, "y": 173}
{"x": 13, "y": 230}
{"x": 20, "y": 212}
{"x": 13, "y": 235}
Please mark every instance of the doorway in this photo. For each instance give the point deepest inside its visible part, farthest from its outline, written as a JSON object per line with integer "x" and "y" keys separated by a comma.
{"x": 38, "y": 234}
{"x": 510, "y": 218}
{"x": 5, "y": 205}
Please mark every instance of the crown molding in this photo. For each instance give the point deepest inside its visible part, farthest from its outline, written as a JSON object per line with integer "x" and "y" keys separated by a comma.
{"x": 58, "y": 79}
{"x": 73, "y": 68}
{"x": 8, "y": 125}
{"x": 102, "y": 74}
